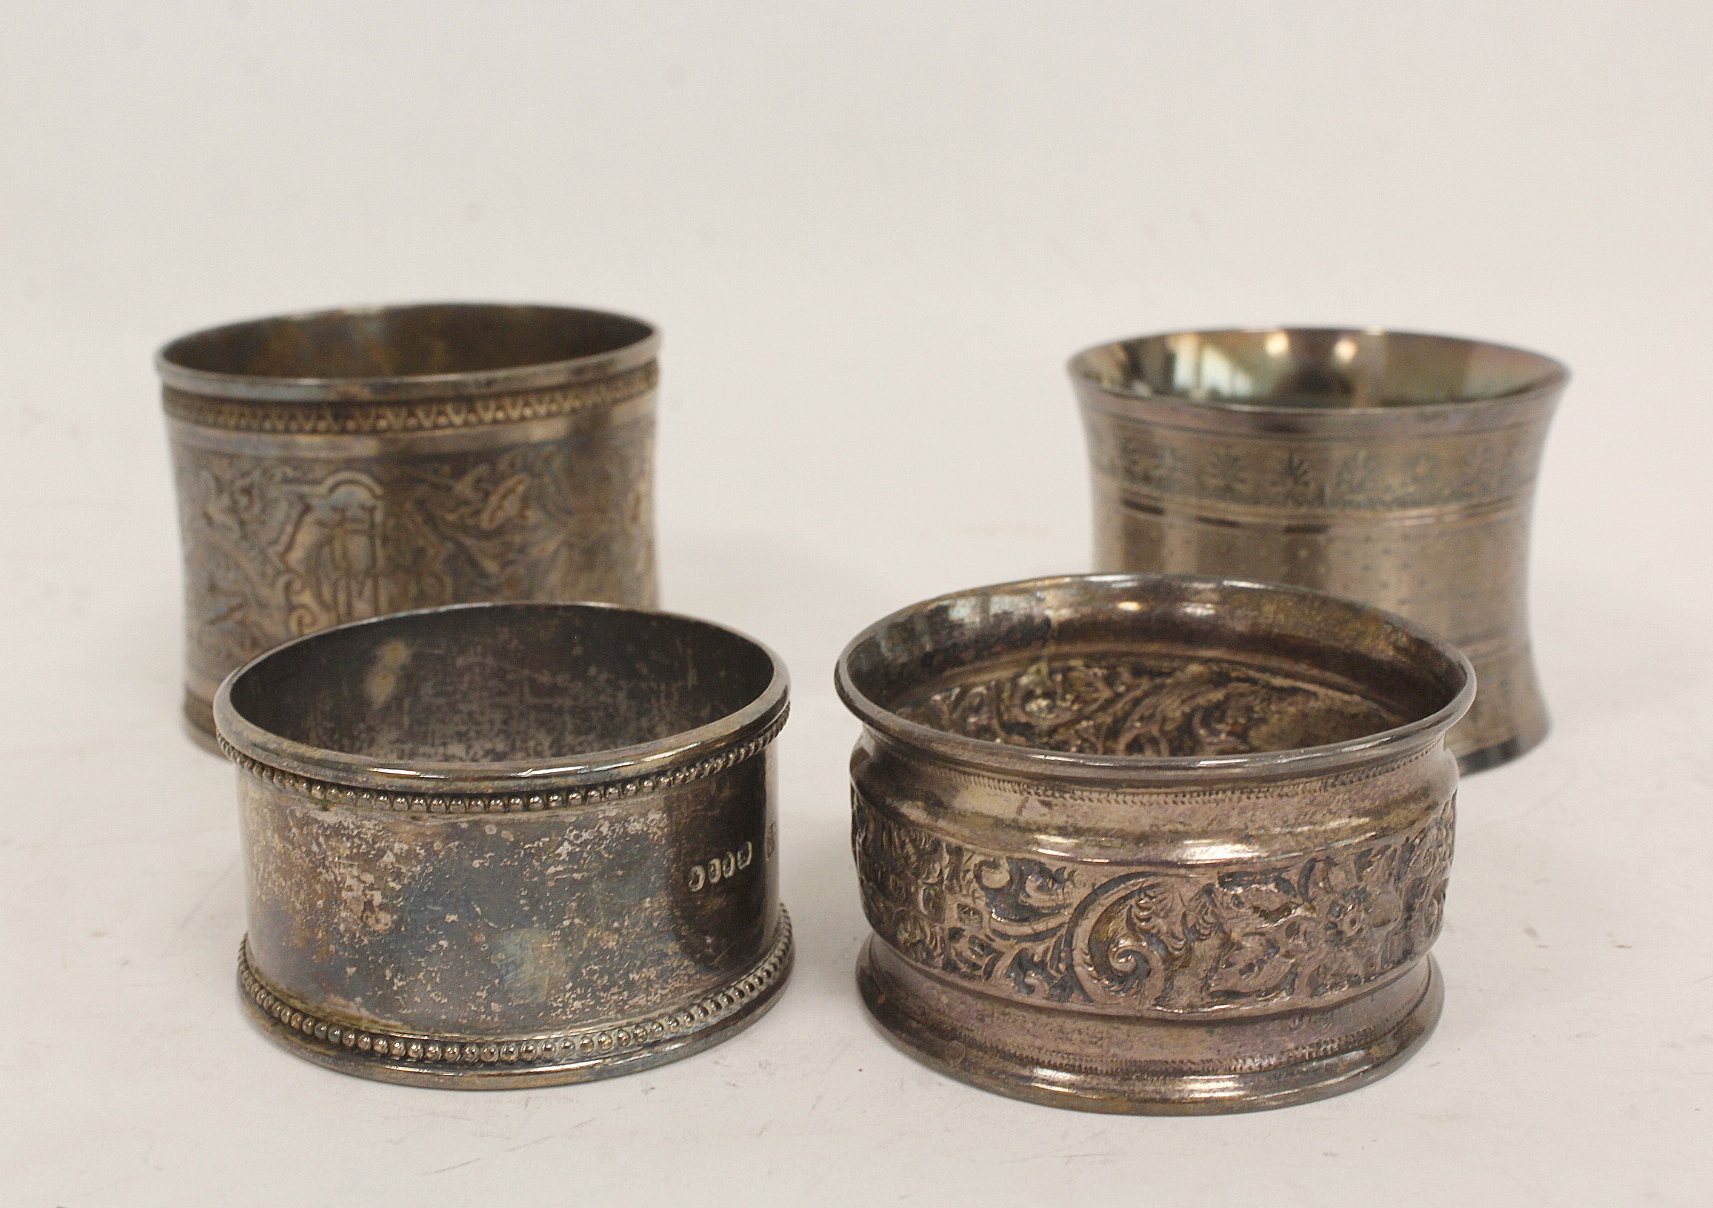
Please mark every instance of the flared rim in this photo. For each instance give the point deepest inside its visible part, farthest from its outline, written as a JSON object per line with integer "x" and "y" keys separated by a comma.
{"x": 622, "y": 342}
{"x": 503, "y": 777}
{"x": 1548, "y": 377}
{"x": 985, "y": 754}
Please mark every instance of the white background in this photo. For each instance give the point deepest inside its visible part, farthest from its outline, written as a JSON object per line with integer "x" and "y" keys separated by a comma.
{"x": 871, "y": 233}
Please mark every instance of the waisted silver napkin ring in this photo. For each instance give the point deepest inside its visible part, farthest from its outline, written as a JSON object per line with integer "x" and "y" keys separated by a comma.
{"x": 1387, "y": 467}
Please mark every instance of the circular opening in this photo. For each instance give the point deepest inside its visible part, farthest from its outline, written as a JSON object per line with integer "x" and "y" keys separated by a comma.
{"x": 1153, "y": 668}
{"x": 492, "y": 684}
{"x": 1320, "y": 369}
{"x": 404, "y": 341}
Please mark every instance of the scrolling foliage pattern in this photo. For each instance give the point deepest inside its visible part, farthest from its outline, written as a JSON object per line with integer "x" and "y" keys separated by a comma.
{"x": 1123, "y": 704}
{"x": 1206, "y": 939}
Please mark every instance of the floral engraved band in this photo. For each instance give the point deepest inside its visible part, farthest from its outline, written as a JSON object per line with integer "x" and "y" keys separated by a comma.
{"x": 1153, "y": 844}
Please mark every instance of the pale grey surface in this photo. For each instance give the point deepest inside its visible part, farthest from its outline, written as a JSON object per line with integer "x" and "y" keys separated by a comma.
{"x": 871, "y": 234}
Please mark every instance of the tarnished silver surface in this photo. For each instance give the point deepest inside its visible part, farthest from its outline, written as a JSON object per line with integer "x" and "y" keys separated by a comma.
{"x": 500, "y": 845}
{"x": 1153, "y": 844}
{"x": 345, "y": 464}
{"x": 1386, "y": 467}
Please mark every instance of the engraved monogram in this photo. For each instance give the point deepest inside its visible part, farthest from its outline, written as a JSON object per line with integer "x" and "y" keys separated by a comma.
{"x": 1197, "y": 940}
{"x": 330, "y": 549}
{"x": 1123, "y": 704}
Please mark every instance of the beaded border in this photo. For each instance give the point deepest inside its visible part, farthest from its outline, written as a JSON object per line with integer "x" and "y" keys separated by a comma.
{"x": 329, "y": 793}
{"x": 558, "y": 1048}
{"x": 428, "y": 415}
